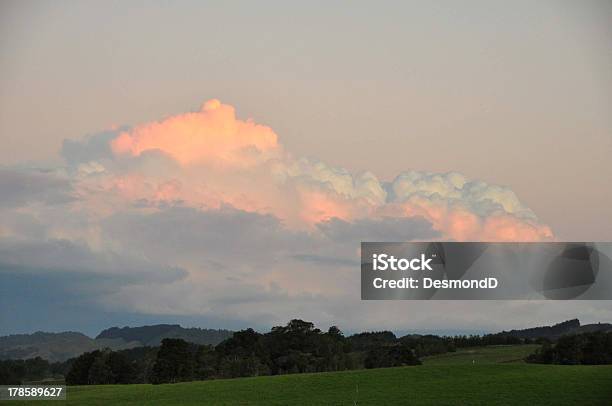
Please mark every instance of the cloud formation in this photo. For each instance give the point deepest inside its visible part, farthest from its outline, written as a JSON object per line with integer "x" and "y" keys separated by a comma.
{"x": 209, "y": 158}
{"x": 206, "y": 214}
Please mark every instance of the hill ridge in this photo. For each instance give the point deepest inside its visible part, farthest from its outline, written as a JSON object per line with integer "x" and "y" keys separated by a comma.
{"x": 60, "y": 346}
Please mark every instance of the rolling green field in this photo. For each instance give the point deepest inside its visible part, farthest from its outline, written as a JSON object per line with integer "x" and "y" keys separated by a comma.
{"x": 496, "y": 377}
{"x": 494, "y": 354}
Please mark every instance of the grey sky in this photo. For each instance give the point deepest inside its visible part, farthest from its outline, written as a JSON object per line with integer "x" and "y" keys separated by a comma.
{"x": 512, "y": 93}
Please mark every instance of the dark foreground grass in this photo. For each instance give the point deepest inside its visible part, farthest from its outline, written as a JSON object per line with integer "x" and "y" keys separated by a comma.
{"x": 489, "y": 384}
{"x": 497, "y": 377}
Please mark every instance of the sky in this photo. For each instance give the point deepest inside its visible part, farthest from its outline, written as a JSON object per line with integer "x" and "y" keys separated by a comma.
{"x": 217, "y": 163}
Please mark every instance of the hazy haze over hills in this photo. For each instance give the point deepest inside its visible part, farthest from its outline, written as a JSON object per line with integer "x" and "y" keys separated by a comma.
{"x": 65, "y": 345}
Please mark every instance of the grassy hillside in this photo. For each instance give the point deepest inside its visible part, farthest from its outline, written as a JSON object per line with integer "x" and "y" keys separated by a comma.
{"x": 483, "y": 355}
{"x": 449, "y": 379}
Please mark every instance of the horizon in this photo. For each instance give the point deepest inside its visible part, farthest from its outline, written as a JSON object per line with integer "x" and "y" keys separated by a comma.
{"x": 262, "y": 330}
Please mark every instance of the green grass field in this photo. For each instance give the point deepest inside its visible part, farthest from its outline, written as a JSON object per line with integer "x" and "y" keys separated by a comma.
{"x": 497, "y": 377}
{"x": 495, "y": 354}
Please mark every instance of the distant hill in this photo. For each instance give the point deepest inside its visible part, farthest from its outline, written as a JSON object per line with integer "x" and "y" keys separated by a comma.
{"x": 62, "y": 346}
{"x": 555, "y": 331}
{"x": 153, "y": 335}
{"x": 55, "y": 346}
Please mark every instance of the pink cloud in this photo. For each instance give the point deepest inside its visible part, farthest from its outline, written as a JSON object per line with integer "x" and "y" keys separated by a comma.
{"x": 224, "y": 160}
{"x": 211, "y": 135}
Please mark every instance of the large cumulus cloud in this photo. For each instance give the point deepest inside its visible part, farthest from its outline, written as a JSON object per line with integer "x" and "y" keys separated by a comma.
{"x": 210, "y": 158}
{"x": 206, "y": 214}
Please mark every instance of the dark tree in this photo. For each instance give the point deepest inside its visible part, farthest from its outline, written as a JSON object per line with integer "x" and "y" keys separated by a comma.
{"x": 175, "y": 362}
{"x": 79, "y": 371}
{"x": 100, "y": 372}
{"x": 391, "y": 356}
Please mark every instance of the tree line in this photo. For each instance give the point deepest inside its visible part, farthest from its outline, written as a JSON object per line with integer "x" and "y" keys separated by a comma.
{"x": 296, "y": 347}
{"x": 18, "y": 371}
{"x": 587, "y": 348}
